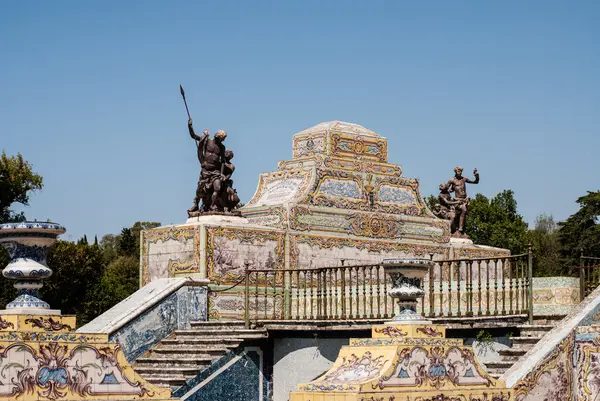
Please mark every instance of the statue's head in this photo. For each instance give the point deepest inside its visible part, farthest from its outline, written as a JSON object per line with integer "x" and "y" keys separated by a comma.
{"x": 458, "y": 171}
{"x": 221, "y": 135}
{"x": 228, "y": 154}
{"x": 444, "y": 187}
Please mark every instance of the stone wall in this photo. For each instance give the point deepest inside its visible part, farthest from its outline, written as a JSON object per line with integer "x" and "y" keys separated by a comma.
{"x": 239, "y": 376}
{"x": 142, "y": 320}
{"x": 563, "y": 365}
{"x": 301, "y": 360}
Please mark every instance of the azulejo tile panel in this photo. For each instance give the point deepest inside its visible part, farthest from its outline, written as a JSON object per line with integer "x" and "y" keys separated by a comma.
{"x": 66, "y": 370}
{"x": 168, "y": 251}
{"x": 351, "y": 146}
{"x": 346, "y": 188}
{"x": 552, "y": 378}
{"x": 280, "y": 187}
{"x": 322, "y": 251}
{"x": 400, "y": 366}
{"x": 309, "y": 145}
{"x": 229, "y": 249}
{"x": 188, "y": 304}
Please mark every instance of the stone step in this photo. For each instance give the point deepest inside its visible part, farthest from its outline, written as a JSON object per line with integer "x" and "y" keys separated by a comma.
{"x": 497, "y": 365}
{"x": 220, "y": 324}
{"x": 173, "y": 350}
{"x": 166, "y": 380}
{"x": 537, "y": 330}
{"x": 145, "y": 370}
{"x": 511, "y": 354}
{"x": 206, "y": 341}
{"x": 169, "y": 361}
{"x": 236, "y": 333}
{"x": 530, "y": 341}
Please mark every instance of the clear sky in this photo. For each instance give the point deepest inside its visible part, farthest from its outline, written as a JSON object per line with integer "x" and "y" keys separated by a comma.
{"x": 89, "y": 95}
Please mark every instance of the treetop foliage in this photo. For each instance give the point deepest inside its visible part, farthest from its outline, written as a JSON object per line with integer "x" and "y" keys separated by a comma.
{"x": 17, "y": 180}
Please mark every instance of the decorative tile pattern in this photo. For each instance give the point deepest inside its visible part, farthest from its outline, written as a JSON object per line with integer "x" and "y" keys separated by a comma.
{"x": 280, "y": 187}
{"x": 340, "y": 188}
{"x": 321, "y": 251}
{"x": 167, "y": 251}
{"x": 239, "y": 376}
{"x": 395, "y": 194}
{"x": 186, "y": 305}
{"x": 228, "y": 250}
{"x": 69, "y": 371}
{"x": 551, "y": 379}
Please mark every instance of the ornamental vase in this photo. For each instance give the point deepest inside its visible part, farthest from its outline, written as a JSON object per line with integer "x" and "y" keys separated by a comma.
{"x": 407, "y": 278}
{"x": 27, "y": 244}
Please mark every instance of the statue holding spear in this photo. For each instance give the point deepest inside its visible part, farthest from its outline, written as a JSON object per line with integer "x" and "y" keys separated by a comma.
{"x": 214, "y": 188}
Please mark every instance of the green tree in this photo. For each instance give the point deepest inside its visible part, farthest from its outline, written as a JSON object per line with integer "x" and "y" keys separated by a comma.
{"x": 431, "y": 201}
{"x": 17, "y": 180}
{"x": 545, "y": 241}
{"x": 496, "y": 222}
{"x": 109, "y": 247}
{"x": 119, "y": 280}
{"x": 77, "y": 271}
{"x": 126, "y": 243}
{"x": 581, "y": 231}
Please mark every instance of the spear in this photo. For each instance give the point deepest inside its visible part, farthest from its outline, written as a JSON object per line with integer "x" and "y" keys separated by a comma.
{"x": 184, "y": 101}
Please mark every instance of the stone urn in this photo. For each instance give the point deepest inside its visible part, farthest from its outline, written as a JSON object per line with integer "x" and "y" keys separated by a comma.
{"x": 27, "y": 244}
{"x": 407, "y": 277}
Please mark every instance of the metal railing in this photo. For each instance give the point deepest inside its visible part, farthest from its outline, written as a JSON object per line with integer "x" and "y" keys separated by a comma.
{"x": 498, "y": 286}
{"x": 589, "y": 275}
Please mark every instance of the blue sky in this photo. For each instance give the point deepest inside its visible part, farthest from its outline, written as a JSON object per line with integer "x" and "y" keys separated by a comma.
{"x": 90, "y": 95}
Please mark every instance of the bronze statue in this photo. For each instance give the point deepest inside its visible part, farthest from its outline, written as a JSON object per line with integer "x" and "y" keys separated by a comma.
{"x": 455, "y": 209}
{"x": 215, "y": 187}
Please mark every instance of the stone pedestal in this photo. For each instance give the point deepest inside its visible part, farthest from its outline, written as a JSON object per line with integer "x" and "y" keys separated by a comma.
{"x": 404, "y": 363}
{"x": 41, "y": 355}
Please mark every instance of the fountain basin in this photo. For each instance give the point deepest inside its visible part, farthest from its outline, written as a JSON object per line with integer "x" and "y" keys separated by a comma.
{"x": 27, "y": 244}
{"x": 407, "y": 277}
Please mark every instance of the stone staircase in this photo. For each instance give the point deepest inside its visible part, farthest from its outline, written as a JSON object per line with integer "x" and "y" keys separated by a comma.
{"x": 529, "y": 336}
{"x": 185, "y": 353}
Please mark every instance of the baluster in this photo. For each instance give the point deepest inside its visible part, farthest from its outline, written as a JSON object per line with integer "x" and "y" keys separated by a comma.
{"x": 312, "y": 294}
{"x": 487, "y": 287}
{"x": 305, "y": 310}
{"x": 431, "y": 292}
{"x": 470, "y": 289}
{"x": 503, "y": 286}
{"x": 297, "y": 291}
{"x": 265, "y": 286}
{"x": 458, "y": 282}
{"x": 336, "y": 292}
{"x": 327, "y": 291}
{"x": 441, "y": 288}
{"x": 510, "y": 287}
{"x": 365, "y": 315}
{"x": 479, "y": 286}
{"x": 423, "y": 297}
{"x": 357, "y": 294}
{"x": 385, "y": 293}
{"x": 523, "y": 286}
{"x": 256, "y": 296}
{"x": 319, "y": 294}
{"x": 450, "y": 268}
{"x": 378, "y": 292}
{"x": 343, "y": 289}
{"x": 274, "y": 294}
{"x": 495, "y": 286}
{"x": 371, "y": 315}
{"x": 517, "y": 286}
